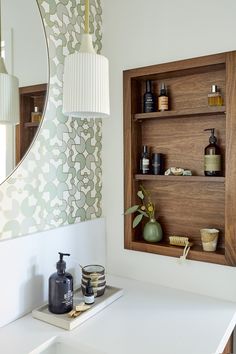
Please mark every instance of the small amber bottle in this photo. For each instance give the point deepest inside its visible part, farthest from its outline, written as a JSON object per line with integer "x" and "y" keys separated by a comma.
{"x": 163, "y": 100}
{"x": 214, "y": 97}
{"x": 36, "y": 116}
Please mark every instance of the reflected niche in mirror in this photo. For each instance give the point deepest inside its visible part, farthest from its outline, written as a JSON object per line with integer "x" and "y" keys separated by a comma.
{"x": 24, "y": 51}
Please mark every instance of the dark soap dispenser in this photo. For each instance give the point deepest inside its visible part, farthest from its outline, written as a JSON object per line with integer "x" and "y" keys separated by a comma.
{"x": 60, "y": 299}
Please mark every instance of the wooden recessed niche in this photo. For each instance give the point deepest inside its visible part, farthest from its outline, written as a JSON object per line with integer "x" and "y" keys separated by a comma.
{"x": 184, "y": 204}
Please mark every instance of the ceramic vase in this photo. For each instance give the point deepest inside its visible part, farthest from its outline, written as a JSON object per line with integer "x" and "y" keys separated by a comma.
{"x": 152, "y": 231}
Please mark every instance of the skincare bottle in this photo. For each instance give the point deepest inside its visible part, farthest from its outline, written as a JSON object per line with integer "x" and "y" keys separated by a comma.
{"x": 214, "y": 97}
{"x": 36, "y": 116}
{"x": 144, "y": 161}
{"x": 60, "y": 297}
{"x": 89, "y": 294}
{"x": 157, "y": 164}
{"x": 148, "y": 98}
{"x": 212, "y": 158}
{"x": 163, "y": 99}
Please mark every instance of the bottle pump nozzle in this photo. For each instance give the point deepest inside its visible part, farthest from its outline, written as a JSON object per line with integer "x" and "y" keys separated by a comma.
{"x": 212, "y": 139}
{"x": 61, "y": 264}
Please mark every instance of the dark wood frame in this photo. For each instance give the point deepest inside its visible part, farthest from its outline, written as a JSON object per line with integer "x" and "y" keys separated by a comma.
{"x": 226, "y": 255}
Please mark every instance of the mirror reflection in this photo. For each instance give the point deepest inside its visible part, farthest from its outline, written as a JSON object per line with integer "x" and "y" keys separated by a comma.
{"x": 24, "y": 51}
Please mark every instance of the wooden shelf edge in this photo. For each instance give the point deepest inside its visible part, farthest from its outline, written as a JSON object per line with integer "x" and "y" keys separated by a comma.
{"x": 31, "y": 125}
{"x": 191, "y": 112}
{"x": 196, "y": 254}
{"x": 140, "y": 177}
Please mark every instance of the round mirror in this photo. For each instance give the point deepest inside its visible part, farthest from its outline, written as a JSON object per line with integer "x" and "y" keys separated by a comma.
{"x": 24, "y": 50}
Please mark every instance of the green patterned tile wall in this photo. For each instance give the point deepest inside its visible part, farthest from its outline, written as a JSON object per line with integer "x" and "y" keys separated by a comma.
{"x": 59, "y": 180}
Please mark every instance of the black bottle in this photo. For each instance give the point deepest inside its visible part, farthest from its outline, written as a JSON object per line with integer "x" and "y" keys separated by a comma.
{"x": 212, "y": 157}
{"x": 60, "y": 299}
{"x": 157, "y": 164}
{"x": 89, "y": 294}
{"x": 148, "y": 99}
{"x": 144, "y": 161}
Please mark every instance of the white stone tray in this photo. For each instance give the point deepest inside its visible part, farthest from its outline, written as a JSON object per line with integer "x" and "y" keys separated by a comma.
{"x": 63, "y": 321}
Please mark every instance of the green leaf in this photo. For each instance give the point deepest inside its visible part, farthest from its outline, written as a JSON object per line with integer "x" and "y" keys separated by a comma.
{"x": 140, "y": 195}
{"x": 137, "y": 220}
{"x": 131, "y": 209}
{"x": 143, "y": 212}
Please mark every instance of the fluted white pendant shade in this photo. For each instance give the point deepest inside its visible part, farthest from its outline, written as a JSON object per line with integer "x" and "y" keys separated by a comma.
{"x": 9, "y": 97}
{"x": 86, "y": 83}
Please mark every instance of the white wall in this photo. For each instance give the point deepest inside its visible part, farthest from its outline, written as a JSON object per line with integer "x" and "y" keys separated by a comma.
{"x": 29, "y": 51}
{"x": 139, "y": 33}
{"x": 27, "y": 262}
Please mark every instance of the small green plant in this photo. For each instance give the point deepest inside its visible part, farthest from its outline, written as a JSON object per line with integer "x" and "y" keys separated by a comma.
{"x": 146, "y": 208}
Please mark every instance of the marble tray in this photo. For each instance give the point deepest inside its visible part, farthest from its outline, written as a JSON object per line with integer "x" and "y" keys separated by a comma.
{"x": 63, "y": 321}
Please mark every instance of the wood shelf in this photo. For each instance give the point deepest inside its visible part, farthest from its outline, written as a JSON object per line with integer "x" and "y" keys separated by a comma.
{"x": 31, "y": 125}
{"x": 183, "y": 179}
{"x": 195, "y": 253}
{"x": 191, "y": 112}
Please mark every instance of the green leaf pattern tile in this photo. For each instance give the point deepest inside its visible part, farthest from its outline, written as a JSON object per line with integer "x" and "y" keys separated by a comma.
{"x": 59, "y": 180}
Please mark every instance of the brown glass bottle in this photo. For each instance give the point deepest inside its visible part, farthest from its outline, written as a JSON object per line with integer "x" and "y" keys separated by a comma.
{"x": 212, "y": 158}
{"x": 163, "y": 99}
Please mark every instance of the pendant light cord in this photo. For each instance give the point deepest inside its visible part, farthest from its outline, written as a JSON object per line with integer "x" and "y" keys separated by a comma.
{"x": 86, "y": 24}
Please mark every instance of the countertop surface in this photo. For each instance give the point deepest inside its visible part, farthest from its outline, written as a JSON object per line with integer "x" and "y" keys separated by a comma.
{"x": 147, "y": 319}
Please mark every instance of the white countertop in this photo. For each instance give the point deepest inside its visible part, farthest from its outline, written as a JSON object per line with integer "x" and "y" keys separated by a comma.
{"x": 148, "y": 319}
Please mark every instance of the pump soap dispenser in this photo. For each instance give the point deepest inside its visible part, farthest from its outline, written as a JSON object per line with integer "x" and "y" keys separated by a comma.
{"x": 212, "y": 158}
{"x": 60, "y": 299}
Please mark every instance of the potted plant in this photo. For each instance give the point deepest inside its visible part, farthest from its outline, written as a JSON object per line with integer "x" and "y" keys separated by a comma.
{"x": 152, "y": 231}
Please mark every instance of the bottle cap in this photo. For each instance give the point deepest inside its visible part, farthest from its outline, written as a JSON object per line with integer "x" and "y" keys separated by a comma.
{"x": 163, "y": 89}
{"x": 145, "y": 148}
{"x": 213, "y": 88}
{"x": 212, "y": 138}
{"x": 148, "y": 85}
{"x": 163, "y": 86}
{"x": 156, "y": 157}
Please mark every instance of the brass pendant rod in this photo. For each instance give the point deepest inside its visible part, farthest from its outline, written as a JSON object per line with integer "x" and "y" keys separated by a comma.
{"x": 86, "y": 23}
{"x": 0, "y": 31}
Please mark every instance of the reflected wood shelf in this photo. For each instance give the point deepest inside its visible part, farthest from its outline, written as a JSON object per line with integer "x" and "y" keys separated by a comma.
{"x": 30, "y": 97}
{"x": 31, "y": 124}
{"x": 165, "y": 249}
{"x": 183, "y": 179}
{"x": 191, "y": 112}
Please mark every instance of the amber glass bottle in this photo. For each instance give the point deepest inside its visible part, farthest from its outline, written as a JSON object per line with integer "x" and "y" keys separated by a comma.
{"x": 212, "y": 158}
{"x": 163, "y": 99}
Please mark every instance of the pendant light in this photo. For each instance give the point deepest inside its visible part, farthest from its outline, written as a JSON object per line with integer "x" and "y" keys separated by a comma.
{"x": 86, "y": 80}
{"x": 9, "y": 92}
